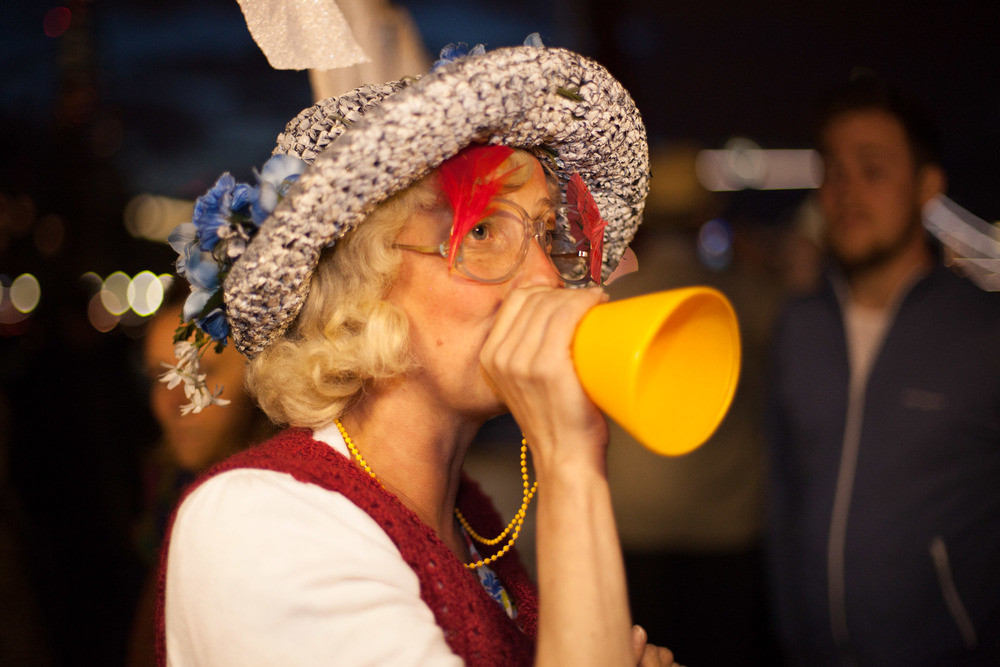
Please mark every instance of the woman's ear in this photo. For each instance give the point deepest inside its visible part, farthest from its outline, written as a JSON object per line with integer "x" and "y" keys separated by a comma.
{"x": 931, "y": 181}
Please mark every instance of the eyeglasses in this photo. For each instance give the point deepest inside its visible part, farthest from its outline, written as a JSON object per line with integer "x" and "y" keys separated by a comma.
{"x": 495, "y": 247}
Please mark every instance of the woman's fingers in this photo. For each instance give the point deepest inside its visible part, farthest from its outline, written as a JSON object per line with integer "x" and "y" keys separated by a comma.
{"x": 528, "y": 360}
{"x": 647, "y": 655}
{"x": 528, "y": 348}
{"x": 657, "y": 656}
{"x": 639, "y": 638}
{"x": 536, "y": 325}
{"x": 521, "y": 334}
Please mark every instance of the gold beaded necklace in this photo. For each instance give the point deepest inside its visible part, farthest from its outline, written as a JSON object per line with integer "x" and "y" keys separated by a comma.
{"x": 513, "y": 528}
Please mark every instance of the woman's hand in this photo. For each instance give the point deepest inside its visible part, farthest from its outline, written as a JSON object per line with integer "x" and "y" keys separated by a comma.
{"x": 528, "y": 360}
{"x": 583, "y": 610}
{"x": 647, "y": 655}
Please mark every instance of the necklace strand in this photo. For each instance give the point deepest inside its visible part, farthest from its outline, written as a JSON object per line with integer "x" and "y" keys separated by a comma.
{"x": 513, "y": 528}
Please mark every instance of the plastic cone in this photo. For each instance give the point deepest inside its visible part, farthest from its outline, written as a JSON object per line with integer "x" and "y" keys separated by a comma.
{"x": 663, "y": 365}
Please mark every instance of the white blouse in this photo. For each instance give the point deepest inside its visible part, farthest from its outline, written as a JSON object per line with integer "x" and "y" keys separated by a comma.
{"x": 264, "y": 570}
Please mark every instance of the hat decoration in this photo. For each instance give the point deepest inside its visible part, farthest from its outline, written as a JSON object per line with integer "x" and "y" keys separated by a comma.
{"x": 585, "y": 222}
{"x": 225, "y": 219}
{"x": 470, "y": 182}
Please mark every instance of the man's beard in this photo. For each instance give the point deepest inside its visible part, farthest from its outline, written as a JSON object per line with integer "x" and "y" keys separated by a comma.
{"x": 880, "y": 255}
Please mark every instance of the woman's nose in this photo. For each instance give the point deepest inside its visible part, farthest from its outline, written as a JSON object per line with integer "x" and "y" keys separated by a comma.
{"x": 538, "y": 268}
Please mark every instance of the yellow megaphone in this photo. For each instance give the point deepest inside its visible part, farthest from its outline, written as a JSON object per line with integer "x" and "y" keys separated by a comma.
{"x": 662, "y": 365}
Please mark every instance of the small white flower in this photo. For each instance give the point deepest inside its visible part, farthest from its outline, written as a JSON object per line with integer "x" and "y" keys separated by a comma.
{"x": 188, "y": 372}
{"x": 186, "y": 353}
{"x": 215, "y": 397}
{"x": 172, "y": 377}
{"x": 201, "y": 398}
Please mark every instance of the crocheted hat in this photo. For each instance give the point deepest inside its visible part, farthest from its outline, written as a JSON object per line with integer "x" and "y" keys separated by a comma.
{"x": 369, "y": 144}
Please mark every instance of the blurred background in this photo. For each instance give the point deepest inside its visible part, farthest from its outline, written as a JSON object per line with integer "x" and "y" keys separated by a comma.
{"x": 116, "y": 114}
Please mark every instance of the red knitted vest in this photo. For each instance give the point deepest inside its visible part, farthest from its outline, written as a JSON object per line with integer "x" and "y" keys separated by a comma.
{"x": 475, "y": 626}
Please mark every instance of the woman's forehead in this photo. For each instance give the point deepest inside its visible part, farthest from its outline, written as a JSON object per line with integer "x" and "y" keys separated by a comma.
{"x": 427, "y": 224}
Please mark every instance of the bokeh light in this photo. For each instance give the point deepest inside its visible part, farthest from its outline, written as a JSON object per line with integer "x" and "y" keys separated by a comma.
{"x": 91, "y": 282}
{"x": 742, "y": 164}
{"x": 746, "y": 162}
{"x": 122, "y": 301}
{"x": 715, "y": 244}
{"x": 9, "y": 315}
{"x": 56, "y": 21}
{"x": 25, "y": 293}
{"x": 114, "y": 293}
{"x": 145, "y": 293}
{"x": 98, "y": 314}
{"x": 154, "y": 217}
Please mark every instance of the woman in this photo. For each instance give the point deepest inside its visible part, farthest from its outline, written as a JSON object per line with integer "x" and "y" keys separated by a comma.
{"x": 351, "y": 538}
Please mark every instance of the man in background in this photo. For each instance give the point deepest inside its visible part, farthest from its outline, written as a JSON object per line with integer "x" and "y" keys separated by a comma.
{"x": 884, "y": 415}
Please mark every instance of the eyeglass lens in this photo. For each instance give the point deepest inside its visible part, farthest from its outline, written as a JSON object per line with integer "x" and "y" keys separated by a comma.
{"x": 494, "y": 248}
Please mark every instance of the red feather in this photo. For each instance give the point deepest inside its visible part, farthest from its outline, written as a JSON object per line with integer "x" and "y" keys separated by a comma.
{"x": 469, "y": 181}
{"x": 585, "y": 222}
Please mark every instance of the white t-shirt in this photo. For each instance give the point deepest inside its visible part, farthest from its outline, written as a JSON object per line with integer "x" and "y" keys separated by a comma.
{"x": 264, "y": 570}
{"x": 866, "y": 328}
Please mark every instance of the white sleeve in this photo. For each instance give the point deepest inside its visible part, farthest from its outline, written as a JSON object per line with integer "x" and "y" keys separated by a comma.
{"x": 266, "y": 570}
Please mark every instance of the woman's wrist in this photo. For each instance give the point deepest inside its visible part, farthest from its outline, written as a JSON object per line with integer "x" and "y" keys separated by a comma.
{"x": 576, "y": 456}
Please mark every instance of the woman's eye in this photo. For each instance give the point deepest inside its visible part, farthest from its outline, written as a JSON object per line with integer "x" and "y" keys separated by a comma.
{"x": 479, "y": 233}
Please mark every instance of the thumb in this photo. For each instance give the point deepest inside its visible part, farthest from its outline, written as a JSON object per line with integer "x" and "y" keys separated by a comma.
{"x": 639, "y": 638}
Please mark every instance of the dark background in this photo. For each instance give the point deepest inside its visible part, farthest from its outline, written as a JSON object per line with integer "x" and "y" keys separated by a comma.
{"x": 152, "y": 97}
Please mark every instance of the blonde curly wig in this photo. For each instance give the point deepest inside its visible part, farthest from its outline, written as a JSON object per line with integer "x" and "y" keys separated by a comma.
{"x": 347, "y": 335}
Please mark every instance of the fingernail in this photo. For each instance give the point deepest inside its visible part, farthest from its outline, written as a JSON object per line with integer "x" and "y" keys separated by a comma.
{"x": 638, "y": 635}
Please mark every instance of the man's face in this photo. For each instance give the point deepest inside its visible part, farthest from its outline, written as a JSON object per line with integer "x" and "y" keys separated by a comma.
{"x": 871, "y": 194}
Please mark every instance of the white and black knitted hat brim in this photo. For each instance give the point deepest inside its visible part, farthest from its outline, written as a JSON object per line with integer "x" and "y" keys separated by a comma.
{"x": 377, "y": 140}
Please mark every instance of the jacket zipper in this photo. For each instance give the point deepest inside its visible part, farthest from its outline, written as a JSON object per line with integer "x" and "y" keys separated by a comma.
{"x": 942, "y": 566}
{"x": 838, "y": 521}
{"x": 837, "y": 537}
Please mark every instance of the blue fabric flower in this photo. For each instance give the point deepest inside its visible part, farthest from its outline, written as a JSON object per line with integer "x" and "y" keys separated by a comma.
{"x": 180, "y": 237}
{"x": 212, "y": 210}
{"x": 455, "y": 51}
{"x": 224, "y": 221}
{"x": 195, "y": 303}
{"x": 199, "y": 267}
{"x": 243, "y": 196}
{"x": 276, "y": 176}
{"x": 215, "y": 325}
{"x": 280, "y": 168}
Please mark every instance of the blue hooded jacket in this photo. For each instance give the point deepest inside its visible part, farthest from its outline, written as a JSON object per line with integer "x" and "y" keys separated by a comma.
{"x": 884, "y": 523}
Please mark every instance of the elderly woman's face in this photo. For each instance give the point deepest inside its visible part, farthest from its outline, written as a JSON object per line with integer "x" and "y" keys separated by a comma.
{"x": 451, "y": 315}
